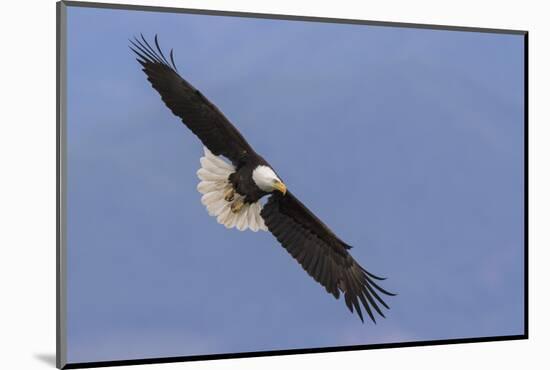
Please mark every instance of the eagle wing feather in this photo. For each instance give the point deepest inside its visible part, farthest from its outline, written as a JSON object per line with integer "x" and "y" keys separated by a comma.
{"x": 322, "y": 254}
{"x": 200, "y": 115}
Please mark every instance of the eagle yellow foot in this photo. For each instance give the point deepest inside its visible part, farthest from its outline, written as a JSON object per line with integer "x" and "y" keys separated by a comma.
{"x": 237, "y": 205}
{"x": 229, "y": 195}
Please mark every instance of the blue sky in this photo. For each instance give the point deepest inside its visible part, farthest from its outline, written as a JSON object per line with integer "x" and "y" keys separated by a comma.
{"x": 408, "y": 143}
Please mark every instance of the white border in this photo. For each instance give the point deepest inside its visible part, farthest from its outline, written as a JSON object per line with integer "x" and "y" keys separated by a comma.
{"x": 27, "y": 200}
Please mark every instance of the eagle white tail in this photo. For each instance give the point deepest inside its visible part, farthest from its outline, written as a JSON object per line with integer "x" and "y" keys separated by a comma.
{"x": 214, "y": 185}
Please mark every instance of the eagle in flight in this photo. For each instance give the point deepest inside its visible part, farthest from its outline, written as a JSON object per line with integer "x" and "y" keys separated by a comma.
{"x": 232, "y": 189}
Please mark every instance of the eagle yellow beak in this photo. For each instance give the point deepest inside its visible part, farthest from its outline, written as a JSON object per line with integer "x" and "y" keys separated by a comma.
{"x": 280, "y": 187}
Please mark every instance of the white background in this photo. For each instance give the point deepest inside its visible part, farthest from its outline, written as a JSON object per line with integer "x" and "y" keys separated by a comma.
{"x": 27, "y": 182}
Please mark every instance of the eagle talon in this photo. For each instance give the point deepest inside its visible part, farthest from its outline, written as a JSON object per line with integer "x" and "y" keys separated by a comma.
{"x": 229, "y": 195}
{"x": 237, "y": 206}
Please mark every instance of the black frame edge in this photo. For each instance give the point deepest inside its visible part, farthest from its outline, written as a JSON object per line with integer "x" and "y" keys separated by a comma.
{"x": 526, "y": 182}
{"x": 60, "y": 272}
{"x": 81, "y": 365}
{"x": 287, "y": 17}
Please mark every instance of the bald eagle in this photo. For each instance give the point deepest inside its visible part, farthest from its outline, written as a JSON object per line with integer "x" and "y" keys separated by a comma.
{"x": 232, "y": 189}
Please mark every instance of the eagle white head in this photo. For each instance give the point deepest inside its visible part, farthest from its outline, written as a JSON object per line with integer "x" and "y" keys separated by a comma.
{"x": 266, "y": 179}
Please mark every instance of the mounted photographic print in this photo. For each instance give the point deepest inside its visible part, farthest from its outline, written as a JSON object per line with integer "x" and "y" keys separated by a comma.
{"x": 234, "y": 184}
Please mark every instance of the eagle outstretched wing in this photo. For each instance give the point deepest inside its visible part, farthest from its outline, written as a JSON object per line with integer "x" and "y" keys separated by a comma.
{"x": 322, "y": 254}
{"x": 200, "y": 115}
